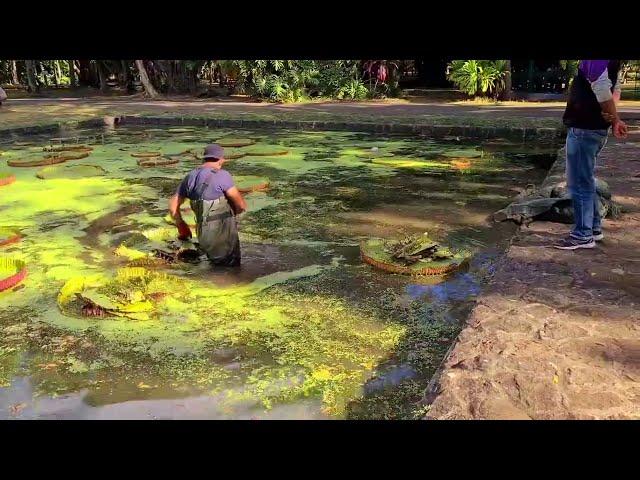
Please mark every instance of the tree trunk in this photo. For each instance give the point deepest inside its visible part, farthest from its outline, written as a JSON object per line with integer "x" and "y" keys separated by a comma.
{"x": 124, "y": 76}
{"x": 57, "y": 73}
{"x": 84, "y": 72}
{"x": 14, "y": 73}
{"x": 43, "y": 73}
{"x": 101, "y": 76}
{"x": 506, "y": 95}
{"x": 72, "y": 73}
{"x": 144, "y": 79}
{"x": 31, "y": 76}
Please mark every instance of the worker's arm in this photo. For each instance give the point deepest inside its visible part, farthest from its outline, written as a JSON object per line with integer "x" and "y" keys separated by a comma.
{"x": 237, "y": 201}
{"x": 184, "y": 232}
{"x": 174, "y": 206}
{"x": 610, "y": 114}
{"x": 601, "y": 87}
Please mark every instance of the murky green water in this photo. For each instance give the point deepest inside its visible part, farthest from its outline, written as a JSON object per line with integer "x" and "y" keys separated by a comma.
{"x": 302, "y": 330}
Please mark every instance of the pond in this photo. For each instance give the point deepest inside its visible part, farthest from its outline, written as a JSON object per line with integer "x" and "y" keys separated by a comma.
{"x": 303, "y": 329}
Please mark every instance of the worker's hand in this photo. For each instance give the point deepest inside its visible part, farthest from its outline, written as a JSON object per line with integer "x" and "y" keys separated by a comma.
{"x": 620, "y": 129}
{"x": 184, "y": 232}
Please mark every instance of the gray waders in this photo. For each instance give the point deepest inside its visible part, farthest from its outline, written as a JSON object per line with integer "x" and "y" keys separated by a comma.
{"x": 216, "y": 228}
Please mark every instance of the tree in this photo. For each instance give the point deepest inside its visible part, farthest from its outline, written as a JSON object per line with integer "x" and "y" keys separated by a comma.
{"x": 14, "y": 73}
{"x": 506, "y": 94}
{"x": 72, "y": 73}
{"x": 144, "y": 79}
{"x": 31, "y": 76}
{"x": 101, "y": 76}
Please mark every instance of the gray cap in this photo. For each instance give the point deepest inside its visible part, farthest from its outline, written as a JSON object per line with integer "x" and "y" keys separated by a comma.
{"x": 213, "y": 151}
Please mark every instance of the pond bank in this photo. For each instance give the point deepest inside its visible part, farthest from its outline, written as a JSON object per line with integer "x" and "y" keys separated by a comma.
{"x": 556, "y": 335}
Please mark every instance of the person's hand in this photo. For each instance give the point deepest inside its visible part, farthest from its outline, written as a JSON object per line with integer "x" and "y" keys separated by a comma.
{"x": 184, "y": 232}
{"x": 620, "y": 129}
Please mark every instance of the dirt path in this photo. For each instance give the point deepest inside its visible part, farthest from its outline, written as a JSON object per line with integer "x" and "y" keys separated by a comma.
{"x": 30, "y": 111}
{"x": 557, "y": 335}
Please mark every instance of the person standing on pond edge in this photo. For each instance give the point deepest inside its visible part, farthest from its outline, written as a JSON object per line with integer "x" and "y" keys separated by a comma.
{"x": 591, "y": 111}
{"x": 216, "y": 201}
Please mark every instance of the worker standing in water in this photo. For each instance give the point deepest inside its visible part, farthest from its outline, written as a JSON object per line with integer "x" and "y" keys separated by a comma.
{"x": 216, "y": 201}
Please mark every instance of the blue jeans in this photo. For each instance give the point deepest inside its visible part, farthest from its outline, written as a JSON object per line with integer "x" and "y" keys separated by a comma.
{"x": 583, "y": 147}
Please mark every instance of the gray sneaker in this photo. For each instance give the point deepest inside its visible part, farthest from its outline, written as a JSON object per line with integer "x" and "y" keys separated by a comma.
{"x": 598, "y": 236}
{"x": 572, "y": 243}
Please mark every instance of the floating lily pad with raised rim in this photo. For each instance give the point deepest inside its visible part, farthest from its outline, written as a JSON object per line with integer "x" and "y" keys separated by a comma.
{"x": 466, "y": 153}
{"x": 131, "y": 293}
{"x": 7, "y": 179}
{"x": 411, "y": 163}
{"x": 250, "y": 183}
{"x": 233, "y": 154}
{"x": 12, "y": 272}
{"x": 266, "y": 151}
{"x": 235, "y": 142}
{"x": 146, "y": 154}
{"x": 158, "y": 161}
{"x": 373, "y": 252}
{"x": 69, "y": 148}
{"x": 366, "y": 153}
{"x": 72, "y": 171}
{"x": 68, "y": 156}
{"x": 461, "y": 163}
{"x": 9, "y": 236}
{"x": 36, "y": 163}
{"x": 180, "y": 130}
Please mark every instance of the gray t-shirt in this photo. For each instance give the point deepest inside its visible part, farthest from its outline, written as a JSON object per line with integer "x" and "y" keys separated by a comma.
{"x": 218, "y": 181}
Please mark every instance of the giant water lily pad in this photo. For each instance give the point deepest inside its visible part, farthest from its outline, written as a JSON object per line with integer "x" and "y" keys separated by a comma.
{"x": 36, "y": 162}
{"x": 230, "y": 154}
{"x": 71, "y": 171}
{"x": 158, "y": 161}
{"x": 146, "y": 154}
{"x": 132, "y": 293}
{"x": 266, "y": 151}
{"x": 411, "y": 163}
{"x": 366, "y": 152}
{"x": 8, "y": 236}
{"x": 7, "y": 179}
{"x": 376, "y": 252}
{"x": 235, "y": 142}
{"x": 461, "y": 164}
{"x": 68, "y": 156}
{"x": 464, "y": 153}
{"x": 68, "y": 148}
{"x": 180, "y": 130}
{"x": 250, "y": 183}
{"x": 157, "y": 247}
{"x": 12, "y": 272}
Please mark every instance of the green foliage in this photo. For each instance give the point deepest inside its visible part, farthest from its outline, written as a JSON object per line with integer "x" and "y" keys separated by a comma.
{"x": 295, "y": 80}
{"x": 475, "y": 77}
{"x": 276, "y": 80}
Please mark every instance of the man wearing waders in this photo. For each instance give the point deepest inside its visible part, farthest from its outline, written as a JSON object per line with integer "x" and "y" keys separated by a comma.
{"x": 216, "y": 201}
{"x": 591, "y": 111}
